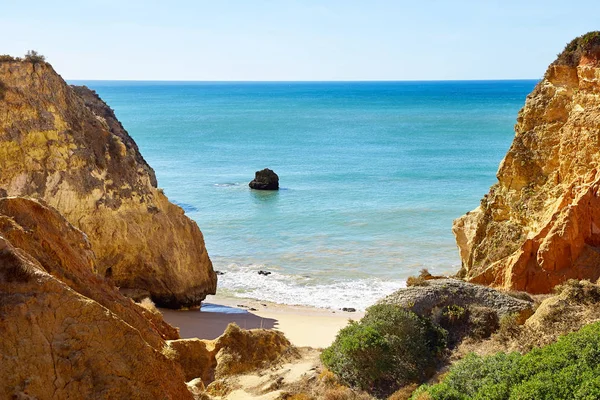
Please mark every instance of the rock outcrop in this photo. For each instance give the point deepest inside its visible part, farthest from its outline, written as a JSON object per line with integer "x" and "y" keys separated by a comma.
{"x": 235, "y": 352}
{"x": 64, "y": 145}
{"x": 265, "y": 179}
{"x": 436, "y": 294}
{"x": 67, "y": 332}
{"x": 540, "y": 224}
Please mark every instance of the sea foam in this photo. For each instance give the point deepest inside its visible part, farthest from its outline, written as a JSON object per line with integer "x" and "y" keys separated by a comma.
{"x": 278, "y": 287}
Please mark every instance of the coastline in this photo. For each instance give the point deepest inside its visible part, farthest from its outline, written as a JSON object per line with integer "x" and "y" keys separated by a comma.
{"x": 303, "y": 326}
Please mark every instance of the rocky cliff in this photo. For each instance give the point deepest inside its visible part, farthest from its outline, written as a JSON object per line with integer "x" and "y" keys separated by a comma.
{"x": 540, "y": 224}
{"x": 64, "y": 145}
{"x": 67, "y": 332}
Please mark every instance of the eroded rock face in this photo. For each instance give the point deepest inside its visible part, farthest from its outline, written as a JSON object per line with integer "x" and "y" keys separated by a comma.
{"x": 540, "y": 224}
{"x": 240, "y": 350}
{"x": 64, "y": 145}
{"x": 58, "y": 342}
{"x": 65, "y": 253}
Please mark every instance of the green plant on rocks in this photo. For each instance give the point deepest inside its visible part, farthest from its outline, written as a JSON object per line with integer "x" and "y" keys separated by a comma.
{"x": 388, "y": 348}
{"x": 567, "y": 369}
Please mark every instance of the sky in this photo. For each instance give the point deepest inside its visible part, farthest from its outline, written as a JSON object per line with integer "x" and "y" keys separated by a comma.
{"x": 290, "y": 40}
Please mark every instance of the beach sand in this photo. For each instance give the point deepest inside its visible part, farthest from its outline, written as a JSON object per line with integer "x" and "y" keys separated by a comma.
{"x": 303, "y": 326}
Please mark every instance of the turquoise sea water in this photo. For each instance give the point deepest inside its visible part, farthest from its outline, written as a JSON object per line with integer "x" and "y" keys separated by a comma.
{"x": 372, "y": 175}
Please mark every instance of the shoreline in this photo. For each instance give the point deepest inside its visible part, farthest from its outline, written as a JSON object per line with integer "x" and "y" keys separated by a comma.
{"x": 303, "y": 326}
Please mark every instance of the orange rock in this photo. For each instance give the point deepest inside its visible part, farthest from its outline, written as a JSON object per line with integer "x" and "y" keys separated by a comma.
{"x": 65, "y": 252}
{"x": 59, "y": 343}
{"x": 540, "y": 224}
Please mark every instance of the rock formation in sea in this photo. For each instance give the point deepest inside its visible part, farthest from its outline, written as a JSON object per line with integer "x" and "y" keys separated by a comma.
{"x": 540, "y": 224}
{"x": 265, "y": 179}
{"x": 64, "y": 145}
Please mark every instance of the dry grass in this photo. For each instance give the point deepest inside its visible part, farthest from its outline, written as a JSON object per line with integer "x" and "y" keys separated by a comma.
{"x": 404, "y": 393}
{"x": 326, "y": 386}
{"x": 416, "y": 281}
{"x": 575, "y": 304}
{"x": 169, "y": 352}
{"x": 149, "y": 305}
{"x": 421, "y": 279}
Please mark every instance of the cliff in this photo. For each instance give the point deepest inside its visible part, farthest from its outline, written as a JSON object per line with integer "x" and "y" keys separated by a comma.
{"x": 67, "y": 332}
{"x": 539, "y": 225}
{"x": 64, "y": 145}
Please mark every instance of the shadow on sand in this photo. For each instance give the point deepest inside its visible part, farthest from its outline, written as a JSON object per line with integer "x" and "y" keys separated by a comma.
{"x": 210, "y": 321}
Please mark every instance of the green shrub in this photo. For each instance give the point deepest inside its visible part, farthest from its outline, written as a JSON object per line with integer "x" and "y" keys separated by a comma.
{"x": 388, "y": 348}
{"x": 7, "y": 58}
{"x": 567, "y": 369}
{"x": 583, "y": 45}
{"x": 34, "y": 57}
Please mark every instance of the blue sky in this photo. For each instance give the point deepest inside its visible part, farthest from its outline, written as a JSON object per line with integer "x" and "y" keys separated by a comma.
{"x": 295, "y": 39}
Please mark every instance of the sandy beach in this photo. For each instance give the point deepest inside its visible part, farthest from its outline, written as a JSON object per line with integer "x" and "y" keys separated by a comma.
{"x": 303, "y": 326}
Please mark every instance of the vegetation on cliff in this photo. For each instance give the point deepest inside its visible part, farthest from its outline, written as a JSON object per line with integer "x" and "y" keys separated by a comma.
{"x": 588, "y": 44}
{"x": 538, "y": 225}
{"x": 568, "y": 369}
{"x": 64, "y": 145}
{"x": 389, "y": 348}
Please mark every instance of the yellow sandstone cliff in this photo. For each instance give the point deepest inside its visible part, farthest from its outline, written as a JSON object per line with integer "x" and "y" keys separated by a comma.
{"x": 540, "y": 224}
{"x": 67, "y": 332}
{"x": 64, "y": 145}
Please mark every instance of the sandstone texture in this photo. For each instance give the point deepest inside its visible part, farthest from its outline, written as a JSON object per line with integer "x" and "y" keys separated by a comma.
{"x": 65, "y": 146}
{"x": 265, "y": 179}
{"x": 65, "y": 331}
{"x": 540, "y": 224}
{"x": 235, "y": 352}
{"x": 439, "y": 293}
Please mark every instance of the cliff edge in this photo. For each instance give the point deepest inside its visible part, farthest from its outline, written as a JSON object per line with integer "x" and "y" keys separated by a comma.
{"x": 64, "y": 145}
{"x": 540, "y": 224}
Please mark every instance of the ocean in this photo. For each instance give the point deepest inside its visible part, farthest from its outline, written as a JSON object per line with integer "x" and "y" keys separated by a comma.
{"x": 372, "y": 175}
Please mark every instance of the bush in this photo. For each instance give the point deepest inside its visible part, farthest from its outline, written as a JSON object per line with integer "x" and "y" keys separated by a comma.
{"x": 588, "y": 44}
{"x": 420, "y": 280}
{"x": 567, "y": 369}
{"x": 7, "y": 58}
{"x": 34, "y": 57}
{"x": 389, "y": 348}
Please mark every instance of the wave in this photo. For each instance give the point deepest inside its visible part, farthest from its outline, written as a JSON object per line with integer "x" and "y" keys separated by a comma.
{"x": 226, "y": 184}
{"x": 277, "y": 287}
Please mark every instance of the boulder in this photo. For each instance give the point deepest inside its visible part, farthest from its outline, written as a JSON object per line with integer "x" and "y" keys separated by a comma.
{"x": 440, "y": 293}
{"x": 239, "y": 350}
{"x": 196, "y": 357}
{"x": 265, "y": 179}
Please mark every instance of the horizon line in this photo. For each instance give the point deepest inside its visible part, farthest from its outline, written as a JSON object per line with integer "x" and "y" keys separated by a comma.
{"x": 306, "y": 80}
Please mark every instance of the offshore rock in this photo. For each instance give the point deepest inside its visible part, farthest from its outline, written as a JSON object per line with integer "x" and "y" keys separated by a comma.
{"x": 540, "y": 224}
{"x": 265, "y": 179}
{"x": 64, "y": 145}
{"x": 66, "y": 332}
